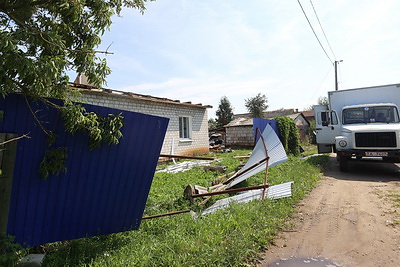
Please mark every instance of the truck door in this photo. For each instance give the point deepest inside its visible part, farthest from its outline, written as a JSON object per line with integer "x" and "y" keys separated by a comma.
{"x": 327, "y": 127}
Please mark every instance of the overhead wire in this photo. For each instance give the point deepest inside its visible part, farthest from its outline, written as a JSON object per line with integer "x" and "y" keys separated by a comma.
{"x": 322, "y": 83}
{"x": 309, "y": 23}
{"x": 316, "y": 15}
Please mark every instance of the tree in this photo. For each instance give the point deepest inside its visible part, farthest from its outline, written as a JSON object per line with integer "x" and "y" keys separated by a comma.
{"x": 257, "y": 105}
{"x": 212, "y": 124}
{"x": 224, "y": 112}
{"x": 40, "y": 40}
{"x": 323, "y": 100}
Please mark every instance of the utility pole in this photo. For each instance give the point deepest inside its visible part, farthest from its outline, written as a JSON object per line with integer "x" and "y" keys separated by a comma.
{"x": 336, "y": 82}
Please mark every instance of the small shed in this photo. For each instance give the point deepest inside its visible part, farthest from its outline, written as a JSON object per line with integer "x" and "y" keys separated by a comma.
{"x": 239, "y": 132}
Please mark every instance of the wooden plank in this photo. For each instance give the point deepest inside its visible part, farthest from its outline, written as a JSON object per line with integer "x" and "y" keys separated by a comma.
{"x": 184, "y": 157}
{"x": 6, "y": 179}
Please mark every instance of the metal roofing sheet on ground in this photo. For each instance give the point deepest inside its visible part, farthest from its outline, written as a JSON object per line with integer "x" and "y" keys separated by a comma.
{"x": 273, "y": 192}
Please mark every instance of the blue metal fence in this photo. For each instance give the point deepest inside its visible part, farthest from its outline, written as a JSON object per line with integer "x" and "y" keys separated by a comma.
{"x": 261, "y": 124}
{"x": 103, "y": 191}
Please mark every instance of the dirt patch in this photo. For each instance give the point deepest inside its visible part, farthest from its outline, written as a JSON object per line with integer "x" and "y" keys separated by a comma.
{"x": 347, "y": 219}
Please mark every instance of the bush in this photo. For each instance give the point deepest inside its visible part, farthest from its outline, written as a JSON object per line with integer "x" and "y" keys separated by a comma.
{"x": 289, "y": 135}
{"x": 10, "y": 252}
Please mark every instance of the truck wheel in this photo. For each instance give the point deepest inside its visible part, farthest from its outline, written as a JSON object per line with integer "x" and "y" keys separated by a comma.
{"x": 343, "y": 163}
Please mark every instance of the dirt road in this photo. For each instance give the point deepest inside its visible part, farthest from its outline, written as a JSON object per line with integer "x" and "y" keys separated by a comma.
{"x": 347, "y": 219}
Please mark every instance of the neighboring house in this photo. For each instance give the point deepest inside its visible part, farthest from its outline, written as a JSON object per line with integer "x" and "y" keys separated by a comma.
{"x": 309, "y": 114}
{"x": 239, "y": 132}
{"x": 187, "y": 132}
{"x": 303, "y": 125}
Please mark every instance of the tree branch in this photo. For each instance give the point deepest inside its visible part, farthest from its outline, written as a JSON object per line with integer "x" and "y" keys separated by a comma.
{"x": 22, "y": 4}
{"x": 34, "y": 116}
{"x": 40, "y": 34}
{"x": 15, "y": 139}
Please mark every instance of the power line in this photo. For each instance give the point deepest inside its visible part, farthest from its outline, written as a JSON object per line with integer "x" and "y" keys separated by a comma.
{"x": 314, "y": 31}
{"x": 315, "y": 12}
{"x": 322, "y": 83}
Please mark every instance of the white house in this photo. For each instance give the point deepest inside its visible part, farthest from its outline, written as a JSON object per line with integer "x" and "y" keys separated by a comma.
{"x": 187, "y": 132}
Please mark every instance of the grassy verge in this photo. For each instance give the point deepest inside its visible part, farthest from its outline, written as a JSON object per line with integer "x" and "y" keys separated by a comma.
{"x": 229, "y": 237}
{"x": 394, "y": 197}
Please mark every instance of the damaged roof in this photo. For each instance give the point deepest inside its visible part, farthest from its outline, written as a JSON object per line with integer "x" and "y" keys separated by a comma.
{"x": 91, "y": 89}
{"x": 240, "y": 122}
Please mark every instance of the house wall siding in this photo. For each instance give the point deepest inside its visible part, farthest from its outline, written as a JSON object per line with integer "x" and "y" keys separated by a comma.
{"x": 199, "y": 140}
{"x": 240, "y": 136}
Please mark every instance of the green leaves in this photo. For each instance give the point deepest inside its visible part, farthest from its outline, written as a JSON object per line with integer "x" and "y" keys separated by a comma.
{"x": 289, "y": 135}
{"x": 224, "y": 112}
{"x": 99, "y": 129}
{"x": 40, "y": 41}
{"x": 53, "y": 162}
{"x": 257, "y": 105}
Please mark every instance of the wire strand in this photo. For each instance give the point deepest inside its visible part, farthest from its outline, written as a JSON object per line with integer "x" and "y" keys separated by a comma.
{"x": 322, "y": 83}
{"x": 309, "y": 23}
{"x": 326, "y": 38}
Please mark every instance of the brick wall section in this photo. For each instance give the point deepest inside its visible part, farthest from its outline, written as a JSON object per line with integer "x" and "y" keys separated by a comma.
{"x": 199, "y": 142}
{"x": 240, "y": 136}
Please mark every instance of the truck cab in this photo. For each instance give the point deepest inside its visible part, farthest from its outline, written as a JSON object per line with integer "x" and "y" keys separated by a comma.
{"x": 359, "y": 131}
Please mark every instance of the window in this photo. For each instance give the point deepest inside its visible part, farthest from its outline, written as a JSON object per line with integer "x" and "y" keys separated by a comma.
{"x": 370, "y": 114}
{"x": 185, "y": 128}
{"x": 328, "y": 118}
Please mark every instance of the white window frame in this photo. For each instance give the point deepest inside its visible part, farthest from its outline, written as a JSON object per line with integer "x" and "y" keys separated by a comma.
{"x": 185, "y": 133}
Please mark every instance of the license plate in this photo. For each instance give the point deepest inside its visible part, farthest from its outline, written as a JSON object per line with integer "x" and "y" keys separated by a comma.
{"x": 376, "y": 154}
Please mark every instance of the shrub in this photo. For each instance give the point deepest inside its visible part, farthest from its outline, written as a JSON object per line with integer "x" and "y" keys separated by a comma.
{"x": 289, "y": 135}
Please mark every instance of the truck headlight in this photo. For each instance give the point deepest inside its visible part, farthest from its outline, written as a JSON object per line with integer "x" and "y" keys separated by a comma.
{"x": 342, "y": 143}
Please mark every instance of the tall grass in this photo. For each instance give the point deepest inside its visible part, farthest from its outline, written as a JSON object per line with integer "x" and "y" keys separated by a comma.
{"x": 230, "y": 237}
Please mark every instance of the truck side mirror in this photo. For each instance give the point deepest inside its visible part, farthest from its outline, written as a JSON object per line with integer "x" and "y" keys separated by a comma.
{"x": 325, "y": 123}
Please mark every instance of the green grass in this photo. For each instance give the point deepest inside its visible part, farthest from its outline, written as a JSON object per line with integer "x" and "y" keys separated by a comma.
{"x": 231, "y": 237}
{"x": 394, "y": 197}
{"x": 309, "y": 149}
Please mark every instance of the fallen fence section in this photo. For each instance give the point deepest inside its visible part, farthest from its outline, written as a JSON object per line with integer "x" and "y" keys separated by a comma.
{"x": 273, "y": 192}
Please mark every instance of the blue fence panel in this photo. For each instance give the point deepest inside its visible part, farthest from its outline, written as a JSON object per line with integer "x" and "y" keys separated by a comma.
{"x": 103, "y": 191}
{"x": 261, "y": 124}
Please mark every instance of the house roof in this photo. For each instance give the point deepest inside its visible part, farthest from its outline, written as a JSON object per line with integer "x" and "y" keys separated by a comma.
{"x": 309, "y": 114}
{"x": 247, "y": 121}
{"x": 296, "y": 115}
{"x": 240, "y": 122}
{"x": 91, "y": 89}
{"x": 268, "y": 114}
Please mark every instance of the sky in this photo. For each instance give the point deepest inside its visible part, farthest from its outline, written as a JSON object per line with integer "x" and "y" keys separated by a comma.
{"x": 202, "y": 50}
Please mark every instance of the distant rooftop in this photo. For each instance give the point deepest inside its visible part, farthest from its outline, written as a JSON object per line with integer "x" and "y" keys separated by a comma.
{"x": 240, "y": 122}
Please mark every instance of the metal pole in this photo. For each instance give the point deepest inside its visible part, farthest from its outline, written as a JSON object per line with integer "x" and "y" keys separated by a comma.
{"x": 230, "y": 180}
{"x": 165, "y": 214}
{"x": 336, "y": 82}
{"x": 231, "y": 191}
{"x": 266, "y": 165}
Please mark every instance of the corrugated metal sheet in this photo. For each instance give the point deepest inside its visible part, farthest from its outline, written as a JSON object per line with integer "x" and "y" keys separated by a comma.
{"x": 273, "y": 192}
{"x": 276, "y": 153}
{"x": 103, "y": 191}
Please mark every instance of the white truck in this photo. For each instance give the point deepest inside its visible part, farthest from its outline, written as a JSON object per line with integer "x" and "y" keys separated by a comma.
{"x": 360, "y": 123}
